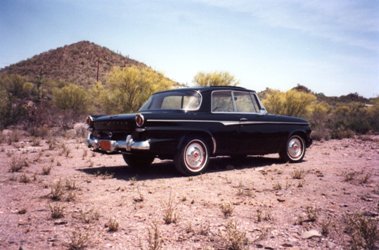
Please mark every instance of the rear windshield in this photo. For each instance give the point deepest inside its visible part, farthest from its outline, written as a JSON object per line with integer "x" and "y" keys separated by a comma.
{"x": 173, "y": 100}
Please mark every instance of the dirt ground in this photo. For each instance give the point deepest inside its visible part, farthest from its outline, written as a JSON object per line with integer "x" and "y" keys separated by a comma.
{"x": 57, "y": 194}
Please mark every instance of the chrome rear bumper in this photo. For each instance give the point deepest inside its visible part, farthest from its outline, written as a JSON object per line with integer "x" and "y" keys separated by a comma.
{"x": 113, "y": 146}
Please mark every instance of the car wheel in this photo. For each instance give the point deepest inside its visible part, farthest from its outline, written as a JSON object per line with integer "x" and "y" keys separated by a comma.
{"x": 294, "y": 150}
{"x": 193, "y": 157}
{"x": 138, "y": 161}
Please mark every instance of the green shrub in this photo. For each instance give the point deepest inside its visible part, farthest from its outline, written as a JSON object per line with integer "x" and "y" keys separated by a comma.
{"x": 71, "y": 97}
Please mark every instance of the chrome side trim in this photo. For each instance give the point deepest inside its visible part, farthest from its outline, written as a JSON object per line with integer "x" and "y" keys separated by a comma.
{"x": 229, "y": 123}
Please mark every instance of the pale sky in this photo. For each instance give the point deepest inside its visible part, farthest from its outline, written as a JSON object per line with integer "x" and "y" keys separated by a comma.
{"x": 328, "y": 46}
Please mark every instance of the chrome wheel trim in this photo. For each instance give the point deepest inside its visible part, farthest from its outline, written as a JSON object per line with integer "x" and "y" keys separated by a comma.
{"x": 195, "y": 155}
{"x": 295, "y": 148}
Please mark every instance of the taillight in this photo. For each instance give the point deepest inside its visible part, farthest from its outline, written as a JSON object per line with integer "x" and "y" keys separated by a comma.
{"x": 139, "y": 120}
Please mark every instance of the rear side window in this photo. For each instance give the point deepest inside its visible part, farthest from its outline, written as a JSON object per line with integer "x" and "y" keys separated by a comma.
{"x": 222, "y": 101}
{"x": 245, "y": 103}
{"x": 173, "y": 100}
{"x": 234, "y": 101}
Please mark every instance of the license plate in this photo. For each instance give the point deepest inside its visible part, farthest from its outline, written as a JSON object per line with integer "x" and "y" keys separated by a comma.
{"x": 105, "y": 145}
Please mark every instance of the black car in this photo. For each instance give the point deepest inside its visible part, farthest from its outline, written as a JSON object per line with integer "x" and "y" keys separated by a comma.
{"x": 190, "y": 125}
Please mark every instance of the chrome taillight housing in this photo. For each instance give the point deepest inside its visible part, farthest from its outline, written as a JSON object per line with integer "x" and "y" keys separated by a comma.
{"x": 89, "y": 122}
{"x": 140, "y": 120}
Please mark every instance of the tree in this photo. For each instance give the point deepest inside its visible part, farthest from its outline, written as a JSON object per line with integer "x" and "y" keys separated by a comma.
{"x": 129, "y": 87}
{"x": 217, "y": 78}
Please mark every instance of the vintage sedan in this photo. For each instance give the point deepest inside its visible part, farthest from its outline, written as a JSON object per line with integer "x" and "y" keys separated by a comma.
{"x": 190, "y": 125}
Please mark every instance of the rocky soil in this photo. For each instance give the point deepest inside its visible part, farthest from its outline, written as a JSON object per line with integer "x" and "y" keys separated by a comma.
{"x": 56, "y": 194}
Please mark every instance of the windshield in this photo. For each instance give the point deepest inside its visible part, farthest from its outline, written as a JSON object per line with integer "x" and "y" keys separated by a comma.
{"x": 173, "y": 100}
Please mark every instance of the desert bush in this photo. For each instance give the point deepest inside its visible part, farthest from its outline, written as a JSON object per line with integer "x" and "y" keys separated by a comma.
{"x": 129, "y": 88}
{"x": 71, "y": 97}
{"x": 292, "y": 102}
{"x": 347, "y": 119}
{"x": 15, "y": 92}
{"x": 373, "y": 113}
{"x": 319, "y": 120}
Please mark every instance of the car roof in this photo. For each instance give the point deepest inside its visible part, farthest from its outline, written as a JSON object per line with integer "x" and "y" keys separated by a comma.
{"x": 210, "y": 88}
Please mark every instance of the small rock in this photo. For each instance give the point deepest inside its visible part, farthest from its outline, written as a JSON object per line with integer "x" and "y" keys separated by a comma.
{"x": 287, "y": 245}
{"x": 331, "y": 245}
{"x": 60, "y": 222}
{"x": 370, "y": 214}
{"x": 310, "y": 234}
{"x": 281, "y": 200}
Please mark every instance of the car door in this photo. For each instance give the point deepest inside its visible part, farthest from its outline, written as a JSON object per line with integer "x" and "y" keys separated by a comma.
{"x": 257, "y": 134}
{"x": 227, "y": 134}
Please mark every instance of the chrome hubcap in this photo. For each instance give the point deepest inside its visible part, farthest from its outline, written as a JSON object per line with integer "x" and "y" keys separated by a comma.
{"x": 195, "y": 156}
{"x": 295, "y": 148}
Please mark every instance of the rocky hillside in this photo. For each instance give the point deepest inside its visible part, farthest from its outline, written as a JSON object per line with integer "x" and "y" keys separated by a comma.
{"x": 83, "y": 62}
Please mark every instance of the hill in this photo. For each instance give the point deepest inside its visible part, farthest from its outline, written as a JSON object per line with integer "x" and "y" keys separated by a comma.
{"x": 83, "y": 63}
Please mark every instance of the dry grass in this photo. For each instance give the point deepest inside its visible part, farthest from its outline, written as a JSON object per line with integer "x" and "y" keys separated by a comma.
{"x": 365, "y": 178}
{"x": 298, "y": 174}
{"x": 169, "y": 212}
{"x": 46, "y": 170}
{"x": 78, "y": 240}
{"x": 71, "y": 196}
{"x": 362, "y": 230}
{"x": 112, "y": 225}
{"x": 349, "y": 176}
{"x": 234, "y": 239}
{"x": 17, "y": 163}
{"x": 277, "y": 186}
{"x": 56, "y": 211}
{"x": 138, "y": 198}
{"x": 205, "y": 228}
{"x": 24, "y": 178}
{"x": 227, "y": 209}
{"x": 57, "y": 191}
{"x": 70, "y": 184}
{"x": 154, "y": 238}
{"x": 263, "y": 215}
{"x": 88, "y": 216}
{"x": 311, "y": 215}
